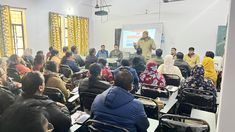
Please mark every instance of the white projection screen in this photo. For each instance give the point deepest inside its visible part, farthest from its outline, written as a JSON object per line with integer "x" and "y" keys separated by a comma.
{"x": 132, "y": 33}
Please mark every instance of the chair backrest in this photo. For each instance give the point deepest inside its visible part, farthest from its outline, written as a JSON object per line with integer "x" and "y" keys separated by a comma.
{"x": 86, "y": 100}
{"x": 150, "y": 106}
{"x": 154, "y": 91}
{"x": 14, "y": 74}
{"x": 98, "y": 126}
{"x": 176, "y": 123}
{"x": 55, "y": 94}
{"x": 199, "y": 99}
{"x": 172, "y": 79}
{"x": 66, "y": 71}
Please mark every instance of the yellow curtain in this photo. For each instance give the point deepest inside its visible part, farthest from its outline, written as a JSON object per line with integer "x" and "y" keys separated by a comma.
{"x": 78, "y": 33}
{"x": 71, "y": 31}
{"x": 6, "y": 42}
{"x": 83, "y": 35}
{"x": 55, "y": 30}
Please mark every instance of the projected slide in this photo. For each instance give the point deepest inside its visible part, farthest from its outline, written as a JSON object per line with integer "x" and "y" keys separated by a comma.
{"x": 129, "y": 37}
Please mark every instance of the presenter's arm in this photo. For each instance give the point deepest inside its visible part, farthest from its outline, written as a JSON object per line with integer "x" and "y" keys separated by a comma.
{"x": 153, "y": 45}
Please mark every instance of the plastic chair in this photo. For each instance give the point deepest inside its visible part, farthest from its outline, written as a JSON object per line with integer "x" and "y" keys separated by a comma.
{"x": 86, "y": 100}
{"x": 176, "y": 123}
{"x": 98, "y": 126}
{"x": 55, "y": 94}
{"x": 172, "y": 79}
{"x": 66, "y": 71}
{"x": 153, "y": 92}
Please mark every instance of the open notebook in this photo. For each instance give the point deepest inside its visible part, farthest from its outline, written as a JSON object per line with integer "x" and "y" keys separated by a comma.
{"x": 79, "y": 117}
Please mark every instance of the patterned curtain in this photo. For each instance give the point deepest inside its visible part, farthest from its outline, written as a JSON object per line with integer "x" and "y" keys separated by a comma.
{"x": 83, "y": 35}
{"x": 55, "y": 31}
{"x": 71, "y": 31}
{"x": 78, "y": 33}
{"x": 6, "y": 42}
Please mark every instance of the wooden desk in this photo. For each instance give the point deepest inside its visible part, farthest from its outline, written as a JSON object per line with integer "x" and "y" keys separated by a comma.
{"x": 206, "y": 116}
{"x": 153, "y": 124}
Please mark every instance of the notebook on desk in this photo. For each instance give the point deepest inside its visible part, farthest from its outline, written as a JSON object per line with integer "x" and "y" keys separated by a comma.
{"x": 79, "y": 117}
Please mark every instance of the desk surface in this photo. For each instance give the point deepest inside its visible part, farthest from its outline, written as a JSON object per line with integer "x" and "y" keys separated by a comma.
{"x": 153, "y": 124}
{"x": 169, "y": 103}
{"x": 206, "y": 116}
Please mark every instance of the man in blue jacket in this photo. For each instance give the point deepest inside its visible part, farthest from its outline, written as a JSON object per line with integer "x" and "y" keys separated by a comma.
{"x": 118, "y": 106}
{"x": 125, "y": 64}
{"x": 102, "y": 53}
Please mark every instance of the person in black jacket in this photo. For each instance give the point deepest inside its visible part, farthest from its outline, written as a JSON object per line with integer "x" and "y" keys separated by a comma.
{"x": 183, "y": 65}
{"x": 33, "y": 87}
{"x": 93, "y": 84}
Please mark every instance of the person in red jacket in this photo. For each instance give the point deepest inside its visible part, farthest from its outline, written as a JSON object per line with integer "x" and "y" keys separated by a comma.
{"x": 105, "y": 72}
{"x": 15, "y": 63}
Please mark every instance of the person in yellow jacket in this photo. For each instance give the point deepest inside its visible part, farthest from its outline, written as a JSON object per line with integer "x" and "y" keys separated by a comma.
{"x": 147, "y": 44}
{"x": 191, "y": 58}
{"x": 209, "y": 66}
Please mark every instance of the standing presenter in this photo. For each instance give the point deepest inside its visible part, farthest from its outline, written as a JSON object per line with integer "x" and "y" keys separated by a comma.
{"x": 147, "y": 44}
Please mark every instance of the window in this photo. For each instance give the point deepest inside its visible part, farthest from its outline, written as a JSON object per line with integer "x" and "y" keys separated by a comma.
{"x": 18, "y": 33}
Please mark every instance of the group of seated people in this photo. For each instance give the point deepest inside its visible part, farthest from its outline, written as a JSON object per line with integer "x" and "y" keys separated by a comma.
{"x": 24, "y": 102}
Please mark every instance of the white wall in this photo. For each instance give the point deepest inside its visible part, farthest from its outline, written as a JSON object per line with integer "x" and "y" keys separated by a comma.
{"x": 37, "y": 15}
{"x": 188, "y": 23}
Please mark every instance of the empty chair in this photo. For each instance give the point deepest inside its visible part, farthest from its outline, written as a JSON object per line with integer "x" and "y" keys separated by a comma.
{"x": 150, "y": 106}
{"x": 55, "y": 94}
{"x": 66, "y": 71}
{"x": 195, "y": 98}
{"x": 98, "y": 126}
{"x": 176, "y": 123}
{"x": 154, "y": 91}
{"x": 86, "y": 100}
{"x": 14, "y": 74}
{"x": 172, "y": 79}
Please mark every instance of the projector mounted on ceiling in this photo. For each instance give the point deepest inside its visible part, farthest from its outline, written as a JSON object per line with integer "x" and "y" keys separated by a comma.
{"x": 101, "y": 13}
{"x": 102, "y": 5}
{"x": 167, "y": 1}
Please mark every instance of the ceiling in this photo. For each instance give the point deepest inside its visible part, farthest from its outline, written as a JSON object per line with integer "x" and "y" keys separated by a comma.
{"x": 130, "y": 8}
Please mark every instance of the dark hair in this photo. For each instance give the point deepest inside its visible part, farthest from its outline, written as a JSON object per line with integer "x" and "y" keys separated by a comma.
{"x": 136, "y": 61}
{"x": 40, "y": 52}
{"x": 65, "y": 49}
{"x": 73, "y": 49}
{"x": 51, "y": 66}
{"x": 116, "y": 45}
{"x": 102, "y": 61}
{"x": 13, "y": 60}
{"x": 94, "y": 70}
{"x": 31, "y": 82}
{"x": 125, "y": 62}
{"x": 6, "y": 99}
{"x": 159, "y": 52}
{"x": 210, "y": 54}
{"x": 191, "y": 48}
{"x": 91, "y": 51}
{"x": 102, "y": 45}
{"x": 53, "y": 53}
{"x": 67, "y": 55}
{"x": 174, "y": 48}
{"x": 180, "y": 55}
{"x": 51, "y": 48}
{"x": 139, "y": 51}
{"x": 39, "y": 59}
{"x": 123, "y": 79}
{"x": 22, "y": 117}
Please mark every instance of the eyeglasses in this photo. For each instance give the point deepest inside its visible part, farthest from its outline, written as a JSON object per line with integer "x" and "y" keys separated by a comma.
{"x": 50, "y": 127}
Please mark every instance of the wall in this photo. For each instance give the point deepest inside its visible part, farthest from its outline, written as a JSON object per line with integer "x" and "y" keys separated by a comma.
{"x": 37, "y": 15}
{"x": 188, "y": 23}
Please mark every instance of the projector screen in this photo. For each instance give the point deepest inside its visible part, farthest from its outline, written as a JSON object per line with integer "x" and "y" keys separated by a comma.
{"x": 132, "y": 33}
